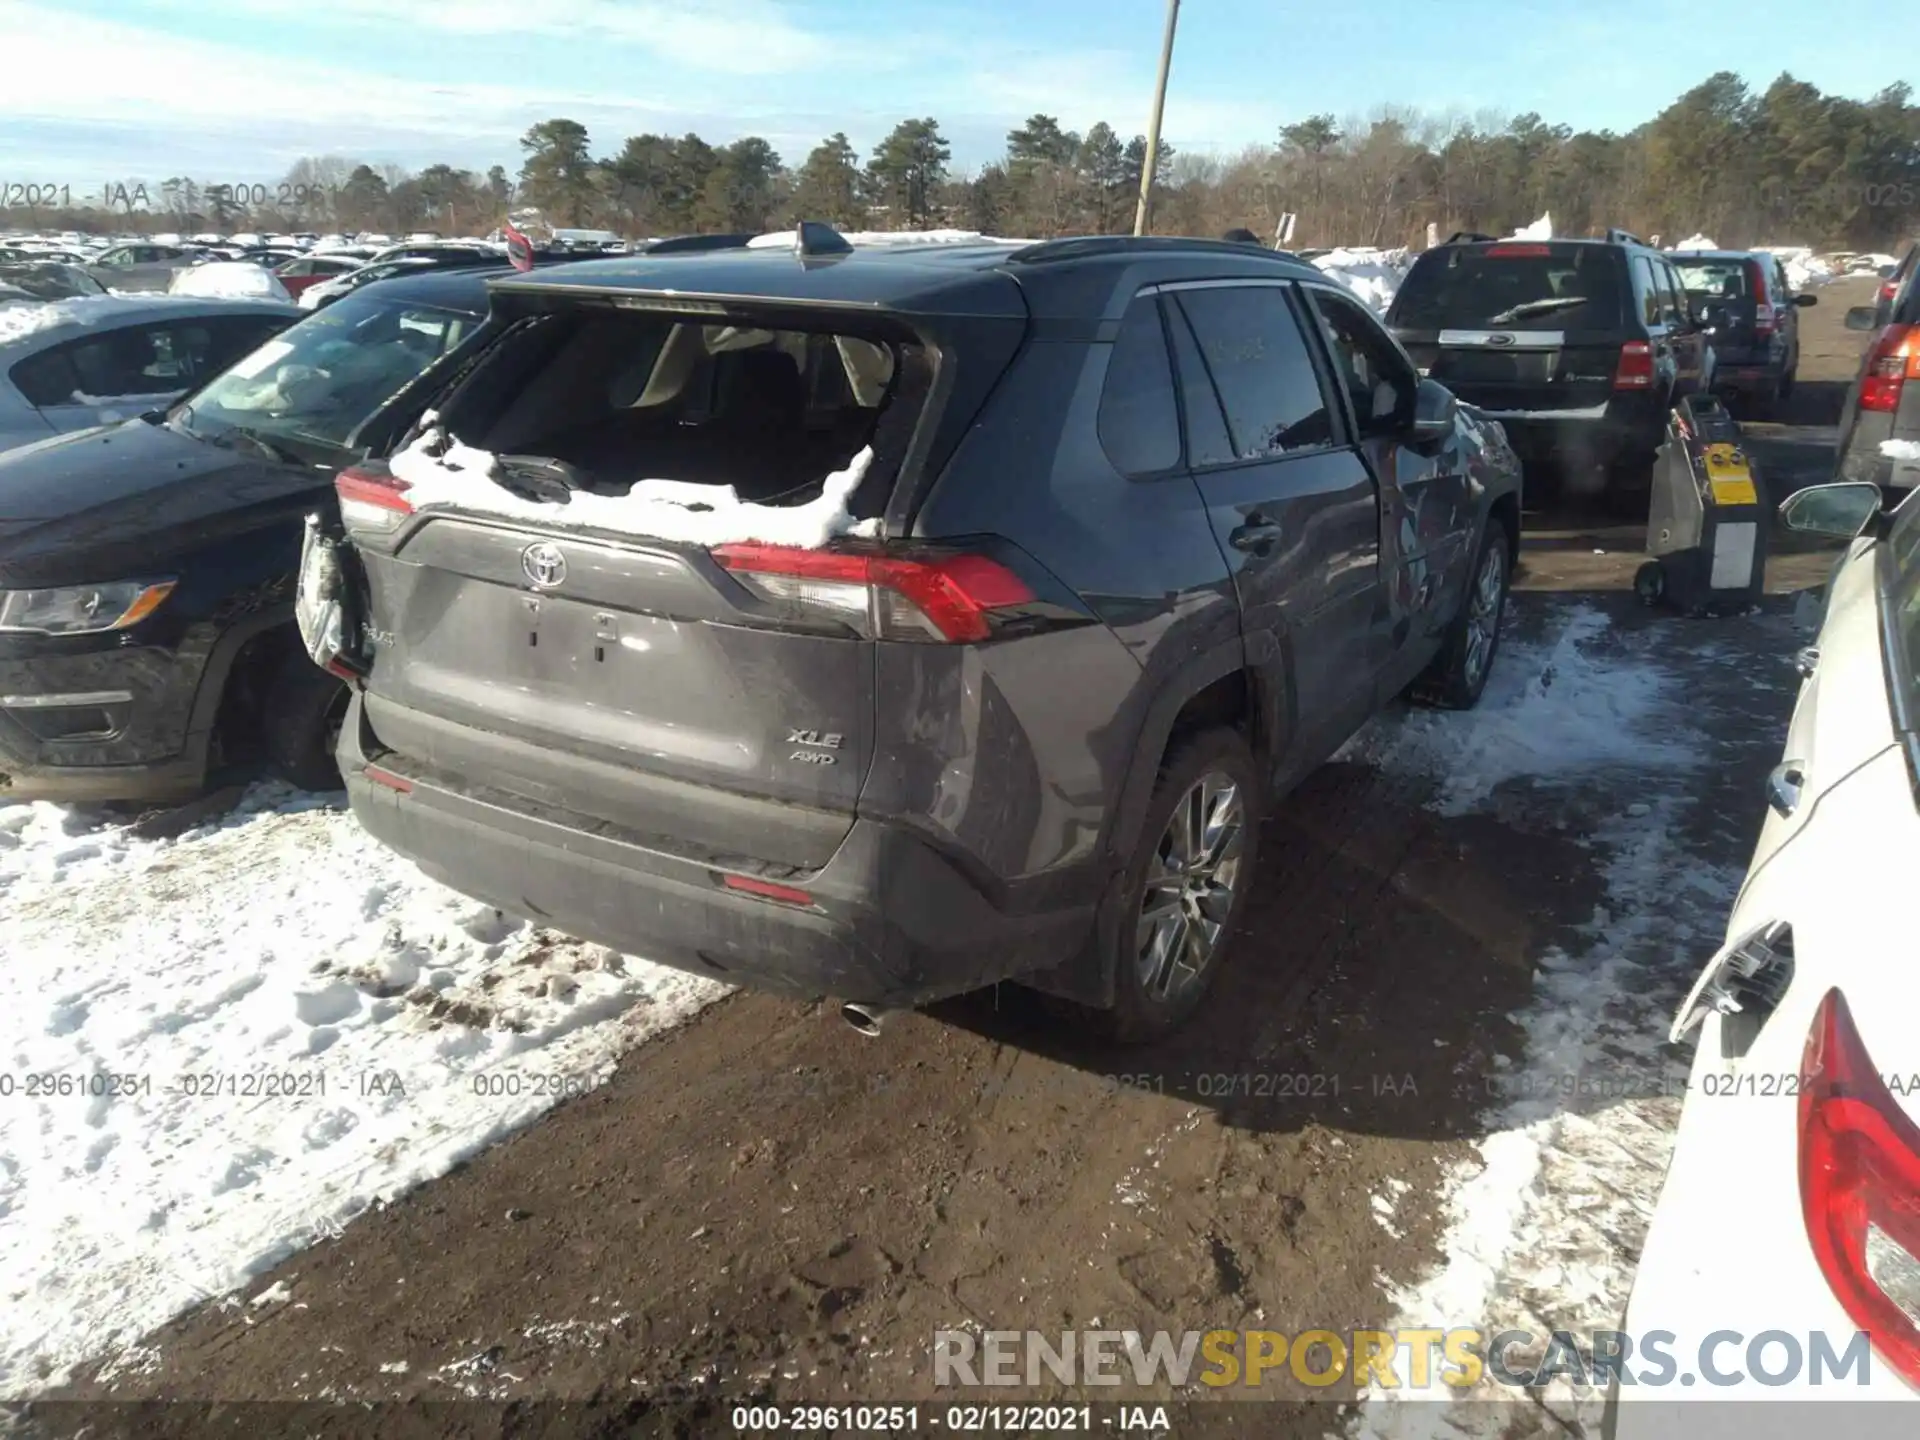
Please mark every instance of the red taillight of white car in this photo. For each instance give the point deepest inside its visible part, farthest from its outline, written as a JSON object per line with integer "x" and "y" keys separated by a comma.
{"x": 371, "y": 501}
{"x": 1894, "y": 361}
{"x": 948, "y": 598}
{"x": 1860, "y": 1187}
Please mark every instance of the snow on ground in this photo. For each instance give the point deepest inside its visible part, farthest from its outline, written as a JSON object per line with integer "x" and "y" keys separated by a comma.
{"x": 1541, "y": 229}
{"x": 217, "y": 1049}
{"x": 231, "y": 280}
{"x": 1901, "y": 449}
{"x": 1552, "y": 715}
{"x": 1541, "y": 1229}
{"x": 1372, "y": 274}
{"x": 440, "y": 470}
{"x": 1698, "y": 242}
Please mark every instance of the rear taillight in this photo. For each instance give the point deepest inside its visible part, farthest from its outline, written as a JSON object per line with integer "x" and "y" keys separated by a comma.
{"x": 370, "y": 501}
{"x": 1636, "y": 367}
{"x": 1764, "y": 317}
{"x": 1518, "y": 252}
{"x": 946, "y": 598}
{"x": 1895, "y": 359}
{"x": 1888, "y": 290}
{"x": 1860, "y": 1186}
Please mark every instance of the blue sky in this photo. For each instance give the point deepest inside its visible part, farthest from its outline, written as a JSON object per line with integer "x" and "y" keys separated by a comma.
{"x": 230, "y": 90}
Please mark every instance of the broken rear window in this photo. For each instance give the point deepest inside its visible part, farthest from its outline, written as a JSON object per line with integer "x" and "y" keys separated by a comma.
{"x": 610, "y": 398}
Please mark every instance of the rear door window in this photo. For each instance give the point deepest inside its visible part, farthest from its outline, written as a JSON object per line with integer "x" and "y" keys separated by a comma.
{"x": 1139, "y": 419}
{"x": 1262, "y": 369}
{"x": 1520, "y": 286}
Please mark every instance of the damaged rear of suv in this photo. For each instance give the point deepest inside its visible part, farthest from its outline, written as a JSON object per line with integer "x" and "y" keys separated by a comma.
{"x": 853, "y": 623}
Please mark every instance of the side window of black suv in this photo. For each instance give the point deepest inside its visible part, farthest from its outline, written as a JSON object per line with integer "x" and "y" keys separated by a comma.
{"x": 1139, "y": 417}
{"x": 1251, "y": 346}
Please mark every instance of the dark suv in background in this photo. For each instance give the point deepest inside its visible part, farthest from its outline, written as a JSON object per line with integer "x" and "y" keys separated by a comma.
{"x": 1580, "y": 348}
{"x": 147, "y": 568}
{"x": 1117, "y": 538}
{"x": 1753, "y": 324}
{"x": 1880, "y": 423}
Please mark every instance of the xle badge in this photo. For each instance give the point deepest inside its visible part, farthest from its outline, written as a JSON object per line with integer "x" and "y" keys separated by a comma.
{"x": 817, "y": 742}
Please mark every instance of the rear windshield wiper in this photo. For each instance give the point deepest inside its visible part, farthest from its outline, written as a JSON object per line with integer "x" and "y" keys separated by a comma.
{"x": 1538, "y": 307}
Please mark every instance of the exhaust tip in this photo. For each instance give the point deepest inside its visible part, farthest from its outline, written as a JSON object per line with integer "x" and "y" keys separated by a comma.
{"x": 867, "y": 1019}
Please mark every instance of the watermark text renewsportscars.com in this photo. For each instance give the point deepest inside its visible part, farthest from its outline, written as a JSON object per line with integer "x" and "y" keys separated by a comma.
{"x": 1415, "y": 1358}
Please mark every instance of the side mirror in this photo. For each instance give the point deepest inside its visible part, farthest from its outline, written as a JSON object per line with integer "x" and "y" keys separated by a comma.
{"x": 1434, "y": 408}
{"x": 1838, "y": 511}
{"x": 1861, "y": 317}
{"x": 1805, "y": 299}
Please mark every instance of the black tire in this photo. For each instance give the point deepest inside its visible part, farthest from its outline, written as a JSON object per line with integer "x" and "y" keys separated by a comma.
{"x": 1650, "y": 582}
{"x": 1142, "y": 1012}
{"x": 300, "y": 722}
{"x": 1455, "y": 679}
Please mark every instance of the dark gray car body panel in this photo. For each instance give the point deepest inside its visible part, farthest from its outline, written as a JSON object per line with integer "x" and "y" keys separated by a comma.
{"x": 984, "y": 797}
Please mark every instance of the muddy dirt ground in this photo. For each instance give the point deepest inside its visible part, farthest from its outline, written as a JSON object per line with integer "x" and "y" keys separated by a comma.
{"x": 764, "y": 1204}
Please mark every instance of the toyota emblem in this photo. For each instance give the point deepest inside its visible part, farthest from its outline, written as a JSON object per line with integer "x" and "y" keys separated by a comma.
{"x": 546, "y": 567}
{"x": 1499, "y": 339}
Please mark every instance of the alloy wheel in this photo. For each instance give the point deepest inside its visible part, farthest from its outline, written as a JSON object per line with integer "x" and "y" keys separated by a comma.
{"x": 1191, "y": 881}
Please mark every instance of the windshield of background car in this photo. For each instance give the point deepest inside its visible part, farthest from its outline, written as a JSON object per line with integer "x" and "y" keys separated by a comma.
{"x": 1515, "y": 287}
{"x": 321, "y": 379}
{"x": 1713, "y": 279}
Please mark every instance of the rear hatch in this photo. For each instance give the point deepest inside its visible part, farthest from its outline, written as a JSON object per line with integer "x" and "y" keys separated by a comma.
{"x": 1518, "y": 325}
{"x": 613, "y": 597}
{"x": 1727, "y": 289}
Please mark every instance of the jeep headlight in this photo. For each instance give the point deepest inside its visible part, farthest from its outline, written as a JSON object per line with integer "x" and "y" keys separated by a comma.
{"x": 81, "y": 609}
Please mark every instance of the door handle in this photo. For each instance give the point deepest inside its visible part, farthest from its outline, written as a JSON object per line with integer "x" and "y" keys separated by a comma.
{"x": 1257, "y": 534}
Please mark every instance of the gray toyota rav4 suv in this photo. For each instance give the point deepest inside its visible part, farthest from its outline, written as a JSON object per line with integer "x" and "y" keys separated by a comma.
{"x": 884, "y": 622}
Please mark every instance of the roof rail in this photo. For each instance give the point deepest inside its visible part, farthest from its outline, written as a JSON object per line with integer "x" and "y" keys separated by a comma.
{"x": 1082, "y": 247}
{"x": 681, "y": 244}
{"x": 1467, "y": 237}
{"x": 1616, "y": 236}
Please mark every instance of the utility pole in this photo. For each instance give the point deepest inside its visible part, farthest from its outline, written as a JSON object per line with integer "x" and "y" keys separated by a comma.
{"x": 1152, "y": 162}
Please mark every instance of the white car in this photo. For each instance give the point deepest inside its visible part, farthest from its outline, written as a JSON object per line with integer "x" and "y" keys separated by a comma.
{"x": 1792, "y": 1203}
{"x": 71, "y": 364}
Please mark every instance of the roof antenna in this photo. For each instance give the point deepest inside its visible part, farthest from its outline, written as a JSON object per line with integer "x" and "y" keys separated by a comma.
{"x": 814, "y": 238}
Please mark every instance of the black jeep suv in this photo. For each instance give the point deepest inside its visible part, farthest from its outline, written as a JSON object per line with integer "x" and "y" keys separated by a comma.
{"x": 1116, "y": 538}
{"x": 1579, "y": 347}
{"x": 147, "y": 568}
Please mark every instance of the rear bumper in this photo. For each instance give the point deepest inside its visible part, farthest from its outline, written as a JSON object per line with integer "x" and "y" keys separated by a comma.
{"x": 1626, "y": 427}
{"x": 893, "y": 920}
{"x": 1863, "y": 459}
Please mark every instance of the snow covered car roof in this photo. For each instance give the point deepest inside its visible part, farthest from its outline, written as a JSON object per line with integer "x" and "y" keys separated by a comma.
{"x": 55, "y": 320}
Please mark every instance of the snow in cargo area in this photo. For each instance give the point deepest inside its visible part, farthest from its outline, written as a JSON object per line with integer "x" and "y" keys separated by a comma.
{"x": 219, "y": 1048}
{"x": 1595, "y": 732}
{"x": 440, "y": 470}
{"x": 1901, "y": 449}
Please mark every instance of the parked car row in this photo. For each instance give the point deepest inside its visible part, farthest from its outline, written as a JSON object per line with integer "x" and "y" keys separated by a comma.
{"x": 1582, "y": 347}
